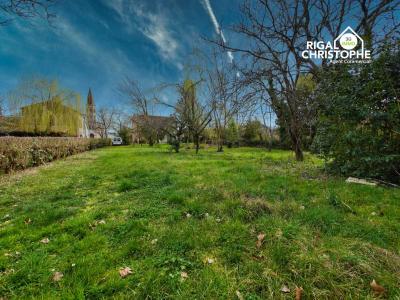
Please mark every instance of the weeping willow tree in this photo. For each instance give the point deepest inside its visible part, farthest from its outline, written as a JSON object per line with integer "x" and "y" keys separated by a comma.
{"x": 46, "y": 109}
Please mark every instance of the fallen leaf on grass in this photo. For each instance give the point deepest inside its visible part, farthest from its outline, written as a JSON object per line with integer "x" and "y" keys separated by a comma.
{"x": 5, "y": 223}
{"x": 95, "y": 223}
{"x": 299, "y": 292}
{"x": 12, "y": 254}
{"x": 153, "y": 242}
{"x": 7, "y": 272}
{"x": 260, "y": 239}
{"x": 188, "y": 215}
{"x": 45, "y": 241}
{"x": 184, "y": 275}
{"x": 28, "y": 221}
{"x": 278, "y": 233}
{"x": 285, "y": 289}
{"x": 209, "y": 260}
{"x": 123, "y": 272}
{"x": 378, "y": 289}
{"x": 257, "y": 257}
{"x": 57, "y": 276}
{"x": 239, "y": 295}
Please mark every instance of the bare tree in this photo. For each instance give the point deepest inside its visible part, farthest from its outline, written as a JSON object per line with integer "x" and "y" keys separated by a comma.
{"x": 177, "y": 126}
{"x": 224, "y": 94}
{"x": 276, "y": 33}
{"x": 196, "y": 115}
{"x": 121, "y": 120}
{"x": 189, "y": 115}
{"x": 140, "y": 103}
{"x": 105, "y": 121}
{"x": 267, "y": 112}
{"x": 26, "y": 9}
{"x": 142, "y": 106}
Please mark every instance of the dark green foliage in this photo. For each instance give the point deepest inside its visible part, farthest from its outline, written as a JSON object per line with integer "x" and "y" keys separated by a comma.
{"x": 359, "y": 125}
{"x": 252, "y": 134}
{"x": 232, "y": 134}
{"x": 125, "y": 134}
{"x": 175, "y": 143}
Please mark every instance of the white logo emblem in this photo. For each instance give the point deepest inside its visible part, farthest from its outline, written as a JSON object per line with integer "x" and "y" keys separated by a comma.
{"x": 348, "y": 47}
{"x": 349, "y": 40}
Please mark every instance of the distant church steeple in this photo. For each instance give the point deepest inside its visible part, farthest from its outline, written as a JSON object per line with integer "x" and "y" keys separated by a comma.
{"x": 91, "y": 111}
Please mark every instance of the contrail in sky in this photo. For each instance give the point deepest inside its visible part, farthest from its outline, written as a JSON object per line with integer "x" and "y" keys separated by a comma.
{"x": 217, "y": 28}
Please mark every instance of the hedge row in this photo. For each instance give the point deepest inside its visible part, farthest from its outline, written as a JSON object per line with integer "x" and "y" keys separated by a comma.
{"x": 17, "y": 153}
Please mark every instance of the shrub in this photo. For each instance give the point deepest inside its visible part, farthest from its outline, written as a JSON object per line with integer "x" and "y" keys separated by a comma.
{"x": 17, "y": 153}
{"x": 359, "y": 126}
{"x": 125, "y": 135}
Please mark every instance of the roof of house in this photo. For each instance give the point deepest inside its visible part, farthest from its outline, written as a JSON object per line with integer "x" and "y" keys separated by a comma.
{"x": 158, "y": 122}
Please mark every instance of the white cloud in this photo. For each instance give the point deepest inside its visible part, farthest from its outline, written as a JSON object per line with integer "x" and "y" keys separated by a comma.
{"x": 213, "y": 18}
{"x": 117, "y": 6}
{"x": 116, "y": 61}
{"x": 155, "y": 26}
{"x": 217, "y": 27}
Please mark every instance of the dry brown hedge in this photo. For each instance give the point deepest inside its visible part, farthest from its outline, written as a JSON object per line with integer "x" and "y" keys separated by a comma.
{"x": 17, "y": 153}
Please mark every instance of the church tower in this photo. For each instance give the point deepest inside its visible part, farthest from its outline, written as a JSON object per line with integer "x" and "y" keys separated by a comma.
{"x": 91, "y": 111}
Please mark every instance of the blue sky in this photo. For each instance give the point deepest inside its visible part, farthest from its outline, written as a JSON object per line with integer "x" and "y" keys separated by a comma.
{"x": 95, "y": 43}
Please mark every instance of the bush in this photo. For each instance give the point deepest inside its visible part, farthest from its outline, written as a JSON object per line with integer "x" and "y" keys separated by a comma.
{"x": 125, "y": 134}
{"x": 359, "y": 126}
{"x": 17, "y": 153}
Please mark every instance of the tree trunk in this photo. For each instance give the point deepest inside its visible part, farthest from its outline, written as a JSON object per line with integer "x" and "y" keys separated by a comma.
{"x": 269, "y": 148}
{"x": 270, "y": 139}
{"x": 177, "y": 145}
{"x": 197, "y": 143}
{"x": 296, "y": 143}
{"x": 219, "y": 144}
{"x": 299, "y": 153}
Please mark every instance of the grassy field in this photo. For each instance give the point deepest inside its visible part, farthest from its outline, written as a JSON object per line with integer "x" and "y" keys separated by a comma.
{"x": 187, "y": 225}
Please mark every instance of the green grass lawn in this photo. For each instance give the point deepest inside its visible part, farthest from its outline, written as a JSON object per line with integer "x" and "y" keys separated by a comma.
{"x": 166, "y": 215}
